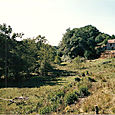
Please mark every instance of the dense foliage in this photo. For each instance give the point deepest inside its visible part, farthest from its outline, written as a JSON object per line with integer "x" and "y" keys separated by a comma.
{"x": 85, "y": 41}
{"x": 19, "y": 59}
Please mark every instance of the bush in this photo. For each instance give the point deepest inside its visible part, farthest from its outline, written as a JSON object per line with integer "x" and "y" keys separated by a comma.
{"x": 83, "y": 74}
{"x": 54, "y": 107}
{"x": 48, "y": 109}
{"x": 57, "y": 97}
{"x": 60, "y": 94}
{"x": 44, "y": 110}
{"x": 77, "y": 79}
{"x": 91, "y": 79}
{"x": 83, "y": 91}
{"x": 87, "y": 73}
{"x": 70, "y": 98}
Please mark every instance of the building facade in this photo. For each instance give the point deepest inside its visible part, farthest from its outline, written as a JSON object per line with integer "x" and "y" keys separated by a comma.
{"x": 111, "y": 44}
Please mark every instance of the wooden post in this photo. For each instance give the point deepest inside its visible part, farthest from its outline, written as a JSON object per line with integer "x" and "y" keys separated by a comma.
{"x": 96, "y": 109}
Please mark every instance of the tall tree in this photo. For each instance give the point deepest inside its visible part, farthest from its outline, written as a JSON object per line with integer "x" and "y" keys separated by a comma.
{"x": 83, "y": 42}
{"x": 8, "y": 56}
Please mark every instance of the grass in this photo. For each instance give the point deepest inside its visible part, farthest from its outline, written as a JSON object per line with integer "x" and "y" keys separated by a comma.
{"x": 49, "y": 96}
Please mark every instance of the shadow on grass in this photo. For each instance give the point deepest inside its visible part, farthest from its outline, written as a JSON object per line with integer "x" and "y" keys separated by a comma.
{"x": 37, "y": 81}
{"x": 63, "y": 64}
{"x": 64, "y": 73}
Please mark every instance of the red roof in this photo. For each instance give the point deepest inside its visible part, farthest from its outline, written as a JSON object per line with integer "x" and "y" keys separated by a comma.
{"x": 111, "y": 41}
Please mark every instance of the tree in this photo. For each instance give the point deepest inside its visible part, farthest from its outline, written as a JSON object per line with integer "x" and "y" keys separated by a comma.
{"x": 87, "y": 54}
{"x": 57, "y": 60}
{"x": 9, "y": 58}
{"x": 45, "y": 55}
{"x": 19, "y": 59}
{"x": 45, "y": 67}
{"x": 83, "y": 42}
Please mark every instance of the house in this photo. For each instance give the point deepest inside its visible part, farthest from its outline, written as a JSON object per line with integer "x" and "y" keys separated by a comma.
{"x": 109, "y": 50}
{"x": 111, "y": 44}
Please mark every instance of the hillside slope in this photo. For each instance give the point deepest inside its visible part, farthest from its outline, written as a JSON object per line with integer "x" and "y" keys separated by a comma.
{"x": 77, "y": 90}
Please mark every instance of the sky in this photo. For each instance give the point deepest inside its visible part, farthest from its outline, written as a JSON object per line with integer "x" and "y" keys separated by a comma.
{"x": 51, "y": 18}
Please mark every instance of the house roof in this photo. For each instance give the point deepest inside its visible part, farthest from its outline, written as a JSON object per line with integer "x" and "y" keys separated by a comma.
{"x": 111, "y": 41}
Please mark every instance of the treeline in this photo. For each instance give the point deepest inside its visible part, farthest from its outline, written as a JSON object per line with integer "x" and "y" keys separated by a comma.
{"x": 86, "y": 42}
{"x": 20, "y": 59}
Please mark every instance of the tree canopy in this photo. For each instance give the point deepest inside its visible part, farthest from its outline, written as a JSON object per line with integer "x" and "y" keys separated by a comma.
{"x": 19, "y": 59}
{"x": 83, "y": 42}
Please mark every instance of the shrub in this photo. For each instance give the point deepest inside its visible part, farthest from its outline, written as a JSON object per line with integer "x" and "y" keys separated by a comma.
{"x": 60, "y": 94}
{"x": 70, "y": 98}
{"x": 54, "y": 108}
{"x": 83, "y": 74}
{"x": 91, "y": 79}
{"x": 87, "y": 73}
{"x": 39, "y": 104}
{"x": 48, "y": 109}
{"x": 57, "y": 97}
{"x": 83, "y": 91}
{"x": 45, "y": 110}
{"x": 54, "y": 99}
{"x": 77, "y": 79}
